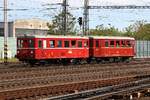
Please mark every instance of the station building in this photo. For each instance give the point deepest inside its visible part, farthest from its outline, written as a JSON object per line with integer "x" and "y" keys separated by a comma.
{"x": 25, "y": 26}
{"x": 18, "y": 28}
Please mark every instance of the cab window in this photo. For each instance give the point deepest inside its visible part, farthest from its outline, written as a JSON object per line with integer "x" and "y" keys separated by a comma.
{"x": 31, "y": 43}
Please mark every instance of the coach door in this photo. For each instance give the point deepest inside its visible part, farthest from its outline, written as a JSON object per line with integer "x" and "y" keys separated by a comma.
{"x": 41, "y": 47}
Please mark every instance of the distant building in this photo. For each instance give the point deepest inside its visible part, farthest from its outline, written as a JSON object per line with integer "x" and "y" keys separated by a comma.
{"x": 25, "y": 26}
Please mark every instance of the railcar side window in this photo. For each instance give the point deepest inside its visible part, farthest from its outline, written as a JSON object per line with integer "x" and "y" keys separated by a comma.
{"x": 40, "y": 43}
{"x": 73, "y": 43}
{"x": 31, "y": 43}
{"x": 128, "y": 43}
{"x": 106, "y": 43}
{"x": 59, "y": 43}
{"x": 85, "y": 43}
{"x": 97, "y": 43}
{"x": 80, "y": 44}
{"x": 66, "y": 44}
{"x": 111, "y": 43}
{"x": 123, "y": 43}
{"x": 117, "y": 44}
{"x": 52, "y": 43}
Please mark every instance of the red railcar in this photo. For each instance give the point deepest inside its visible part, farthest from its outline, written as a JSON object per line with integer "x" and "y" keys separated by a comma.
{"x": 111, "y": 48}
{"x": 33, "y": 49}
{"x": 52, "y": 48}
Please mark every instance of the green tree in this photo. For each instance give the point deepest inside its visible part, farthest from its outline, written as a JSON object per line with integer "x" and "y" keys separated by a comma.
{"x": 139, "y": 30}
{"x": 57, "y": 24}
{"x": 105, "y": 31}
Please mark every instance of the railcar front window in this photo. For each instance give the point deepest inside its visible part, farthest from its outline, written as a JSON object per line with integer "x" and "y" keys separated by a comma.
{"x": 31, "y": 43}
{"x": 66, "y": 44}
{"x": 40, "y": 44}
{"x": 59, "y": 43}
{"x": 25, "y": 43}
{"x": 19, "y": 44}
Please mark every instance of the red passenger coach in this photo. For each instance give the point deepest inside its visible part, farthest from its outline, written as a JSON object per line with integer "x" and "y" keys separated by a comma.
{"x": 111, "y": 48}
{"x": 32, "y": 49}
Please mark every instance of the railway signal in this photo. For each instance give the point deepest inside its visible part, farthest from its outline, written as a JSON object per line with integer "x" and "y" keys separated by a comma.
{"x": 80, "y": 21}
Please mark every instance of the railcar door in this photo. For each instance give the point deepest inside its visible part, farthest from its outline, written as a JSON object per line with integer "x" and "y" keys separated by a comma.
{"x": 44, "y": 49}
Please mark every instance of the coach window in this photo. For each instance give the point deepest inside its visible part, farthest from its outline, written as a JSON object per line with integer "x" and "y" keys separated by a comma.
{"x": 80, "y": 44}
{"x": 123, "y": 43}
{"x": 40, "y": 43}
{"x": 52, "y": 43}
{"x": 85, "y": 43}
{"x": 97, "y": 43}
{"x": 106, "y": 43}
{"x": 66, "y": 44}
{"x": 117, "y": 44}
{"x": 73, "y": 43}
{"x": 128, "y": 43}
{"x": 59, "y": 43}
{"x": 111, "y": 43}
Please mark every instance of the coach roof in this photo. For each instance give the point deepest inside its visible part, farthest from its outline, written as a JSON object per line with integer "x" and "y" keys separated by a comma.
{"x": 53, "y": 36}
{"x": 112, "y": 37}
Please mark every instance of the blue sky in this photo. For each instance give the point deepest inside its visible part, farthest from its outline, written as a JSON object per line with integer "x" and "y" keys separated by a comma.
{"x": 118, "y": 18}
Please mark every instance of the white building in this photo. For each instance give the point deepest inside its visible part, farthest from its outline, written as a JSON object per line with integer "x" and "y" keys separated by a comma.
{"x": 25, "y": 26}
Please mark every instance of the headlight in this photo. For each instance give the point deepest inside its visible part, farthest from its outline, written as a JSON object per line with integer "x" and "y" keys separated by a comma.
{"x": 31, "y": 52}
{"x": 18, "y": 51}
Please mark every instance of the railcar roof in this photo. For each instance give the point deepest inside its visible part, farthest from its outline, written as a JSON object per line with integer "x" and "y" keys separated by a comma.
{"x": 53, "y": 36}
{"x": 83, "y": 37}
{"x": 112, "y": 37}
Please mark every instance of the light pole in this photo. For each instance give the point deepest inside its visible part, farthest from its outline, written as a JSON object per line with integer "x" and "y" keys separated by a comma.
{"x": 5, "y": 31}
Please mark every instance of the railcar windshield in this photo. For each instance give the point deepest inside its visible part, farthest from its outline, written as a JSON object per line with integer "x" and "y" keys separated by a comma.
{"x": 25, "y": 43}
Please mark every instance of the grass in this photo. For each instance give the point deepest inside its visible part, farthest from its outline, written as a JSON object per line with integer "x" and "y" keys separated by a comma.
{"x": 10, "y": 60}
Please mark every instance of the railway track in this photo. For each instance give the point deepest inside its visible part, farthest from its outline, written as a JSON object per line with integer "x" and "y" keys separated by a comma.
{"x": 13, "y": 73}
{"x": 45, "y": 81}
{"x": 105, "y": 92}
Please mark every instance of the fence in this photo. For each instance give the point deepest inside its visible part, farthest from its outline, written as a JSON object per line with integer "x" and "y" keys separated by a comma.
{"x": 11, "y": 47}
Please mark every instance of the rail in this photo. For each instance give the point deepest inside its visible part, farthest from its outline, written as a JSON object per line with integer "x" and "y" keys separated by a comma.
{"x": 105, "y": 91}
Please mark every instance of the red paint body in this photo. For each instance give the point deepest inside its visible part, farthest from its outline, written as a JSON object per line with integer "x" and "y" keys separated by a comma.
{"x": 77, "y": 47}
{"x": 117, "y": 50}
{"x": 47, "y": 52}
